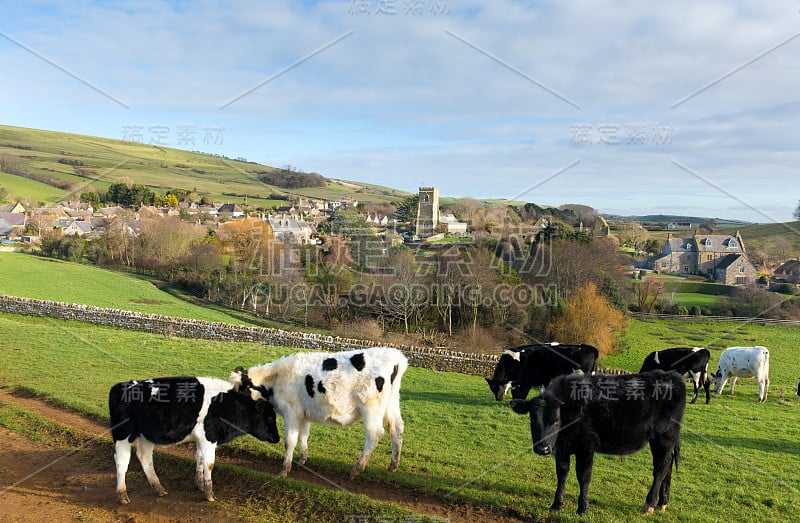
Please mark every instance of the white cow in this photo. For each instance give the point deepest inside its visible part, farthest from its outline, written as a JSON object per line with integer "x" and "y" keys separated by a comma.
{"x": 338, "y": 389}
{"x": 743, "y": 362}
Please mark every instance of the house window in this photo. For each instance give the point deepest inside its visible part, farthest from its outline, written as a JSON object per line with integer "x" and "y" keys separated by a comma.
{"x": 710, "y": 257}
{"x": 685, "y": 268}
{"x": 741, "y": 280}
{"x": 741, "y": 269}
{"x": 732, "y": 244}
{"x": 663, "y": 264}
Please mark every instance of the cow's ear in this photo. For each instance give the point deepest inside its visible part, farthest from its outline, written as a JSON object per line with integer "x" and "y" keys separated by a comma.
{"x": 521, "y": 406}
{"x": 489, "y": 381}
{"x": 236, "y": 378}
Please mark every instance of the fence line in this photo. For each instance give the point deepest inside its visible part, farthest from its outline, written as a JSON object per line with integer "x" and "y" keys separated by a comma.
{"x": 429, "y": 358}
{"x": 731, "y": 319}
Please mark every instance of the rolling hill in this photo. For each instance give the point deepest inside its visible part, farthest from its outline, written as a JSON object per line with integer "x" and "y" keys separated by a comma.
{"x": 62, "y": 164}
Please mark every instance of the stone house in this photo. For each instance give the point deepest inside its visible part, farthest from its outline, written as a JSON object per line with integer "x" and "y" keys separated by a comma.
{"x": 704, "y": 254}
{"x": 735, "y": 269}
{"x": 788, "y": 272}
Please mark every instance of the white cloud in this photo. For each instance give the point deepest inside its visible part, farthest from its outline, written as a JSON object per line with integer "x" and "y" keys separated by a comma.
{"x": 447, "y": 97}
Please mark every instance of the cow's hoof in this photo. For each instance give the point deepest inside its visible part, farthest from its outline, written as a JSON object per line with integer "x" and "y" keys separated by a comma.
{"x": 555, "y": 508}
{"x": 662, "y": 508}
{"x": 393, "y": 467}
{"x": 584, "y": 512}
{"x": 284, "y": 473}
{"x": 354, "y": 474}
{"x": 123, "y": 498}
{"x": 647, "y": 510}
{"x": 161, "y": 493}
{"x": 211, "y": 498}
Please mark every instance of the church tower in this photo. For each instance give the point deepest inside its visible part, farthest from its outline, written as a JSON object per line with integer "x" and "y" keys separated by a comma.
{"x": 427, "y": 211}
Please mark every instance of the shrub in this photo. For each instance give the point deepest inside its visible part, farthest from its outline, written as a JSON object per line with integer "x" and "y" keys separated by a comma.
{"x": 590, "y": 318}
{"x": 477, "y": 341}
{"x": 695, "y": 310}
{"x": 361, "y": 329}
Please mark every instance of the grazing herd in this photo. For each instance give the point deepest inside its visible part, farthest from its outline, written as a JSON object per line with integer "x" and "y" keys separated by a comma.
{"x": 577, "y": 412}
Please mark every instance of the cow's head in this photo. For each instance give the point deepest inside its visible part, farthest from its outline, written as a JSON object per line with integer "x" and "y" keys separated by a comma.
{"x": 255, "y": 400}
{"x": 545, "y": 414}
{"x": 716, "y": 381}
{"x": 498, "y": 388}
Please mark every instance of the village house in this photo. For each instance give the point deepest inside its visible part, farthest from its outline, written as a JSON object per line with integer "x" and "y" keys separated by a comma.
{"x": 230, "y": 210}
{"x": 290, "y": 230}
{"x": 720, "y": 257}
{"x": 788, "y": 272}
{"x": 451, "y": 224}
{"x": 12, "y": 224}
{"x": 13, "y": 208}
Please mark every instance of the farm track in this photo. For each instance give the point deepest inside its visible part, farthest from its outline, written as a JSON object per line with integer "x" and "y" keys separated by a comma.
{"x": 80, "y": 483}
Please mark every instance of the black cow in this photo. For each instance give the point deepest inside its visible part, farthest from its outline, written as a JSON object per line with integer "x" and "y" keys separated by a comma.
{"x": 528, "y": 366}
{"x": 798, "y": 387}
{"x": 164, "y": 411}
{"x": 617, "y": 415}
{"x": 683, "y": 360}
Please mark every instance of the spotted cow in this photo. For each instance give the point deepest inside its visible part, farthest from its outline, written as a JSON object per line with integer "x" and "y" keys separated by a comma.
{"x": 337, "y": 389}
{"x": 165, "y": 411}
{"x": 693, "y": 361}
{"x": 743, "y": 362}
{"x": 522, "y": 368}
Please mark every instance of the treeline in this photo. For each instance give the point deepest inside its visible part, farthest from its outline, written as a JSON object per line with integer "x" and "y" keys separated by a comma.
{"x": 291, "y": 179}
{"x": 496, "y": 293}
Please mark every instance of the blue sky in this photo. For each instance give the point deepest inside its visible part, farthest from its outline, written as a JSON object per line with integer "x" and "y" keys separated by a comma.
{"x": 630, "y": 107}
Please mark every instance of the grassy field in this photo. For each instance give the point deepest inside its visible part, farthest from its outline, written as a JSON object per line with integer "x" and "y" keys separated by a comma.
{"x": 160, "y": 168}
{"x": 739, "y": 458}
{"x": 29, "y": 276}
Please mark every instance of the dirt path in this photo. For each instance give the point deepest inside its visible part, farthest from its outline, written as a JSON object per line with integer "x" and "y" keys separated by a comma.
{"x": 40, "y": 482}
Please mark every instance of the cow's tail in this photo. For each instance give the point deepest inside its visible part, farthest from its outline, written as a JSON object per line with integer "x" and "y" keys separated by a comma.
{"x": 676, "y": 454}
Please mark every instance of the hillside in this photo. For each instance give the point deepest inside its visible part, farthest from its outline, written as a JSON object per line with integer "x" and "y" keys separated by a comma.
{"x": 69, "y": 161}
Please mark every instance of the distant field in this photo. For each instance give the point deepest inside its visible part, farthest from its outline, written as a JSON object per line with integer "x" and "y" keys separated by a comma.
{"x": 29, "y": 276}
{"x": 36, "y": 191}
{"x": 107, "y": 160}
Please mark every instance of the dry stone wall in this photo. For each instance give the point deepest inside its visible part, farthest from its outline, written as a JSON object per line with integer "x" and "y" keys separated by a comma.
{"x": 428, "y": 358}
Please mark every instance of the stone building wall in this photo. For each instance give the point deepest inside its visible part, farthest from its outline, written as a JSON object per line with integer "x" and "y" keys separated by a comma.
{"x": 428, "y": 358}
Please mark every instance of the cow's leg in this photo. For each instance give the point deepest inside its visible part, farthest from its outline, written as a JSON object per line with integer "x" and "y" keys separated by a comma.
{"x": 291, "y": 430}
{"x": 562, "y": 471}
{"x": 373, "y": 429}
{"x": 763, "y": 384}
{"x": 305, "y": 430}
{"x": 696, "y": 382}
{"x": 198, "y": 468}
{"x": 662, "y": 465}
{"x": 208, "y": 454}
{"x": 706, "y": 384}
{"x": 396, "y": 428}
{"x": 144, "y": 451}
{"x": 122, "y": 456}
{"x": 583, "y": 471}
{"x": 733, "y": 383}
{"x": 663, "y": 494}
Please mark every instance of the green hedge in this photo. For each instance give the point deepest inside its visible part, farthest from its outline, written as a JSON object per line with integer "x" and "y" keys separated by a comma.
{"x": 699, "y": 287}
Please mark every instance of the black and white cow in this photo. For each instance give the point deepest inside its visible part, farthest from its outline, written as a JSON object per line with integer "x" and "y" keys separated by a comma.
{"x": 528, "y": 366}
{"x": 582, "y": 415}
{"x": 743, "y": 362}
{"x": 165, "y": 411}
{"x": 337, "y": 389}
{"x": 682, "y": 360}
{"x": 798, "y": 387}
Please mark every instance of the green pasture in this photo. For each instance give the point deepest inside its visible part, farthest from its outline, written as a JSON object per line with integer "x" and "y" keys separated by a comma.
{"x": 36, "y": 191}
{"x": 29, "y": 276}
{"x": 108, "y": 160}
{"x": 738, "y": 460}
